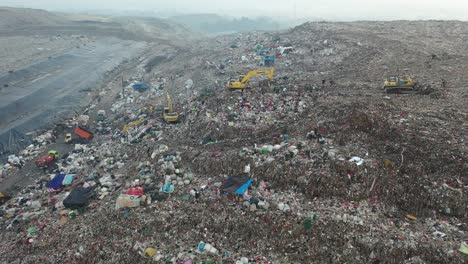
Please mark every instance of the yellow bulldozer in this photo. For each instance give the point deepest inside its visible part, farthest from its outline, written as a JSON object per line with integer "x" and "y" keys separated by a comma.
{"x": 169, "y": 115}
{"x": 243, "y": 80}
{"x": 395, "y": 84}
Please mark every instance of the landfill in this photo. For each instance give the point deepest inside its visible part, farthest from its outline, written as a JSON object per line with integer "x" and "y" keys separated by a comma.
{"x": 317, "y": 166}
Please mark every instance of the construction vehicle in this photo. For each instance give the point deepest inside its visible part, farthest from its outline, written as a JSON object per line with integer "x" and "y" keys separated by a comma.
{"x": 395, "y": 84}
{"x": 82, "y": 134}
{"x": 168, "y": 114}
{"x": 243, "y": 80}
{"x": 133, "y": 124}
{"x": 101, "y": 115}
{"x": 4, "y": 197}
{"x": 68, "y": 138}
{"x": 46, "y": 160}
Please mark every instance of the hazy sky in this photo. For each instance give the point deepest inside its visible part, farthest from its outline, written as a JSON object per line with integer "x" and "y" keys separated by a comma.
{"x": 327, "y": 9}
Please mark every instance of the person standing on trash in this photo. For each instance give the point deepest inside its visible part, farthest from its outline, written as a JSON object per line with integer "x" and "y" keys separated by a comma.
{"x": 276, "y": 140}
{"x": 444, "y": 83}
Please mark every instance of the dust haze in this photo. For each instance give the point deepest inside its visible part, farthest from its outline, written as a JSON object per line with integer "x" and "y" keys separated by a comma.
{"x": 246, "y": 132}
{"x": 294, "y": 9}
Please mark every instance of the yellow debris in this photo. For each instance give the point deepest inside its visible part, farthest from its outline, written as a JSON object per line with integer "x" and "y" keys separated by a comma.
{"x": 388, "y": 164}
{"x": 411, "y": 217}
{"x": 150, "y": 252}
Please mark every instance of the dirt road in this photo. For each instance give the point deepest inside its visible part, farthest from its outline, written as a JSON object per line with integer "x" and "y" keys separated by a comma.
{"x": 53, "y": 88}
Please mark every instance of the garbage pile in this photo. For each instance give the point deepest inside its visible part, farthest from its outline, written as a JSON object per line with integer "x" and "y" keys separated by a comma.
{"x": 316, "y": 166}
{"x": 15, "y": 162}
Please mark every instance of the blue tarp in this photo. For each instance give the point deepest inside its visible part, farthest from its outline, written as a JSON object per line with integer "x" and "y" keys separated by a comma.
{"x": 56, "y": 182}
{"x": 140, "y": 86}
{"x": 167, "y": 188}
{"x": 236, "y": 185}
{"x": 269, "y": 58}
{"x": 241, "y": 190}
{"x": 68, "y": 179}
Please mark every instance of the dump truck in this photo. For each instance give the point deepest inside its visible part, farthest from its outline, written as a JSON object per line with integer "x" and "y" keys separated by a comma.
{"x": 46, "y": 160}
{"x": 82, "y": 135}
{"x": 101, "y": 115}
{"x": 395, "y": 84}
{"x": 243, "y": 80}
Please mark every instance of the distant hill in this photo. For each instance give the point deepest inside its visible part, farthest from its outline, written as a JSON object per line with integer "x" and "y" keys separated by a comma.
{"x": 25, "y": 21}
{"x": 11, "y": 18}
{"x": 153, "y": 27}
{"x": 215, "y": 24}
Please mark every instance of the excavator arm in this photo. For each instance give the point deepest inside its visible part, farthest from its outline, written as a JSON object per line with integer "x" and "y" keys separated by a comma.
{"x": 242, "y": 83}
{"x": 168, "y": 113}
{"x": 249, "y": 75}
{"x": 169, "y": 103}
{"x": 133, "y": 124}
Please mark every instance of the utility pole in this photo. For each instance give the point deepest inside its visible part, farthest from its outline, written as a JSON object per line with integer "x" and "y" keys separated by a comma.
{"x": 122, "y": 84}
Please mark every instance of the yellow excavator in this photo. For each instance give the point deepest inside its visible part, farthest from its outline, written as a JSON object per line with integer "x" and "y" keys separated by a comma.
{"x": 243, "y": 80}
{"x": 169, "y": 115}
{"x": 133, "y": 124}
{"x": 395, "y": 84}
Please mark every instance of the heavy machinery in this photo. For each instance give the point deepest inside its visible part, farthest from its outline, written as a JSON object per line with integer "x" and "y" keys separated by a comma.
{"x": 168, "y": 114}
{"x": 68, "y": 138}
{"x": 395, "y": 84}
{"x": 46, "y": 160}
{"x": 243, "y": 80}
{"x": 82, "y": 136}
{"x": 133, "y": 124}
{"x": 101, "y": 115}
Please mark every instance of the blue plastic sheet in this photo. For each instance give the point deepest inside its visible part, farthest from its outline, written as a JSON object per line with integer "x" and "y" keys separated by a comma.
{"x": 68, "y": 179}
{"x": 140, "y": 86}
{"x": 56, "y": 182}
{"x": 167, "y": 188}
{"x": 241, "y": 190}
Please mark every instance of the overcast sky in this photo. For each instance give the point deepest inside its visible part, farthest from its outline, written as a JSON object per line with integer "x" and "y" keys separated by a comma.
{"x": 327, "y": 9}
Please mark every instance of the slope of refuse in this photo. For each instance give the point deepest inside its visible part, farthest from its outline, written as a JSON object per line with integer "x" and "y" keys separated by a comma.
{"x": 317, "y": 166}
